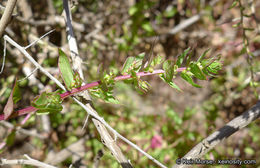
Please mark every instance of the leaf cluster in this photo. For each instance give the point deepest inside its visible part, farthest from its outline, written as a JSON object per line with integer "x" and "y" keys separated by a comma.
{"x": 51, "y": 102}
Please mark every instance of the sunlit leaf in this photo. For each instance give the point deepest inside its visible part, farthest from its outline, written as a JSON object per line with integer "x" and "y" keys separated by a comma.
{"x": 138, "y": 62}
{"x": 133, "y": 10}
{"x": 236, "y": 25}
{"x": 170, "y": 12}
{"x": 66, "y": 70}
{"x": 197, "y": 72}
{"x": 127, "y": 65}
{"x": 156, "y": 61}
{"x": 188, "y": 78}
{"x": 109, "y": 98}
{"x": 171, "y": 83}
{"x": 144, "y": 85}
{"x": 233, "y": 4}
{"x": 214, "y": 67}
{"x": 47, "y": 102}
{"x": 168, "y": 68}
{"x": 147, "y": 27}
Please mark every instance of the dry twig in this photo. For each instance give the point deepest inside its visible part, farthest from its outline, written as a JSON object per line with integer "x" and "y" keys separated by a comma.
{"x": 215, "y": 138}
{"x": 7, "y": 15}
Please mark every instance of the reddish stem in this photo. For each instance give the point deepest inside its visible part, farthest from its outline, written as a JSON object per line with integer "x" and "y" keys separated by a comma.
{"x": 85, "y": 87}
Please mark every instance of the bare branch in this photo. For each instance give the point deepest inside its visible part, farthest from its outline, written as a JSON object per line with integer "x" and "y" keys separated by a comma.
{"x": 214, "y": 139}
{"x": 109, "y": 142}
{"x": 7, "y": 15}
{"x": 72, "y": 149}
{"x": 29, "y": 161}
{"x": 21, "y": 130}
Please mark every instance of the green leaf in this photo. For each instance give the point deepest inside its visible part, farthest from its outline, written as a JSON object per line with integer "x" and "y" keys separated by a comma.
{"x": 156, "y": 61}
{"x": 233, "y": 4}
{"x": 47, "y": 102}
{"x": 197, "y": 72}
{"x": 133, "y": 63}
{"x": 77, "y": 80}
{"x": 214, "y": 67}
{"x": 109, "y": 98}
{"x": 144, "y": 85}
{"x": 170, "y": 12}
{"x": 236, "y": 25}
{"x": 147, "y": 27}
{"x": 66, "y": 70}
{"x": 249, "y": 151}
{"x": 171, "y": 83}
{"x": 95, "y": 92}
{"x": 138, "y": 61}
{"x": 174, "y": 116}
{"x": 11, "y": 138}
{"x": 14, "y": 97}
{"x": 182, "y": 57}
{"x": 203, "y": 55}
{"x": 167, "y": 64}
{"x": 169, "y": 69}
{"x": 188, "y": 78}
{"x": 133, "y": 10}
{"x": 16, "y": 94}
{"x": 127, "y": 65}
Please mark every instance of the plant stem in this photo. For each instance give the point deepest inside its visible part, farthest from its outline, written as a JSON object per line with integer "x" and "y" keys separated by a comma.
{"x": 85, "y": 87}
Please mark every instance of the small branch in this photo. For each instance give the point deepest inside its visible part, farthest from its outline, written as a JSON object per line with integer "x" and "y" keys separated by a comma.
{"x": 109, "y": 142}
{"x": 185, "y": 24}
{"x": 29, "y": 161}
{"x": 72, "y": 149}
{"x": 85, "y": 87}
{"x": 7, "y": 15}
{"x": 215, "y": 138}
{"x": 22, "y": 49}
{"x": 21, "y": 130}
{"x": 51, "y": 21}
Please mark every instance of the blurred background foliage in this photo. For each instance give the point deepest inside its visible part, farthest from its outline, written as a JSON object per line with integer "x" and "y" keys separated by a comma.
{"x": 164, "y": 122}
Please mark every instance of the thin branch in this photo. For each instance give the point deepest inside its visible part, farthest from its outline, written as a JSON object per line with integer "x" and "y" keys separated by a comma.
{"x": 3, "y": 64}
{"x": 7, "y": 15}
{"x": 186, "y": 23}
{"x": 215, "y": 138}
{"x": 21, "y": 130}
{"x": 28, "y": 75}
{"x": 51, "y": 21}
{"x": 36, "y": 41}
{"x": 29, "y": 161}
{"x": 89, "y": 110}
{"x": 72, "y": 149}
{"x": 22, "y": 49}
